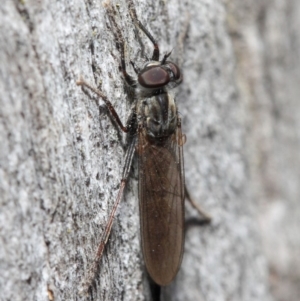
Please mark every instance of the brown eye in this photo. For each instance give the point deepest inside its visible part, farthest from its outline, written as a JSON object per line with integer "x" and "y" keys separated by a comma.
{"x": 153, "y": 77}
{"x": 175, "y": 70}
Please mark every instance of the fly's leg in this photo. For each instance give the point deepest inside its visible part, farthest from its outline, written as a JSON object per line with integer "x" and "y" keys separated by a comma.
{"x": 104, "y": 238}
{"x": 128, "y": 127}
{"x": 131, "y": 129}
{"x": 181, "y": 139}
{"x": 137, "y": 22}
{"x": 136, "y": 70}
{"x": 121, "y": 44}
{"x": 206, "y": 218}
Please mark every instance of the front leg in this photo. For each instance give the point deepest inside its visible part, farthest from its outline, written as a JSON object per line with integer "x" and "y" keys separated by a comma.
{"x": 121, "y": 45}
{"x": 137, "y": 22}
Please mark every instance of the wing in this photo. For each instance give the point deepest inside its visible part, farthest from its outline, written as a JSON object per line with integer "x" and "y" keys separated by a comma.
{"x": 161, "y": 194}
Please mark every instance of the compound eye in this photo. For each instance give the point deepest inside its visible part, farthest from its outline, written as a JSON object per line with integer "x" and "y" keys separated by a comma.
{"x": 153, "y": 77}
{"x": 175, "y": 70}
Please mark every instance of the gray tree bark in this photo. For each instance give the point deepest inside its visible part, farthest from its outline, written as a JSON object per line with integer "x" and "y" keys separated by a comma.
{"x": 61, "y": 156}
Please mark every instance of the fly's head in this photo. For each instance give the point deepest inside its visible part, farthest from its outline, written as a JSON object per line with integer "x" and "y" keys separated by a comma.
{"x": 155, "y": 76}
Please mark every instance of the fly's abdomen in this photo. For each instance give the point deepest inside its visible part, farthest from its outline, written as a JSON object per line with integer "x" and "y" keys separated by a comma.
{"x": 161, "y": 207}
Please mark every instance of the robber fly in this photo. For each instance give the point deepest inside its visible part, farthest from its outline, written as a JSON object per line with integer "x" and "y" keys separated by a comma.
{"x": 154, "y": 134}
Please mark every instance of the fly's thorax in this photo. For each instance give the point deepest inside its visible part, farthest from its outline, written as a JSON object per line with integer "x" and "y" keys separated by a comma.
{"x": 158, "y": 115}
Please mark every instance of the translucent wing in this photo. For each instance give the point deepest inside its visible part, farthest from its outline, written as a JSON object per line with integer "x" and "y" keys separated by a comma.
{"x": 161, "y": 194}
